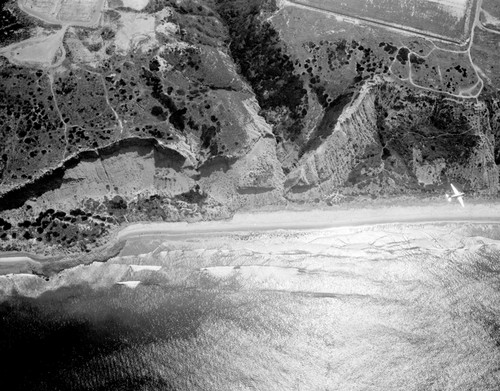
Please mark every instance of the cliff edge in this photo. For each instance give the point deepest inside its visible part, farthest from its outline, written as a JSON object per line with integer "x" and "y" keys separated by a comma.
{"x": 190, "y": 110}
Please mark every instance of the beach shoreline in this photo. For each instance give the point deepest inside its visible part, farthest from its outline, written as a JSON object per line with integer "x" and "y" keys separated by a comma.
{"x": 334, "y": 217}
{"x": 302, "y": 217}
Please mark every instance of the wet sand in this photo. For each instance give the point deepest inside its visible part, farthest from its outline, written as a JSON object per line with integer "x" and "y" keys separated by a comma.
{"x": 15, "y": 264}
{"x": 338, "y": 217}
{"x": 321, "y": 219}
{"x": 392, "y": 307}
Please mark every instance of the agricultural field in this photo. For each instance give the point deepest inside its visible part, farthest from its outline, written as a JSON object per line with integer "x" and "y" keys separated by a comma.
{"x": 442, "y": 19}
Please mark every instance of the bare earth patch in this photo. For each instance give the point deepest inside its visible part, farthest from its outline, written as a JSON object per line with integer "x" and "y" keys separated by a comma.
{"x": 135, "y": 4}
{"x": 43, "y": 50}
{"x": 85, "y": 13}
{"x": 136, "y": 29}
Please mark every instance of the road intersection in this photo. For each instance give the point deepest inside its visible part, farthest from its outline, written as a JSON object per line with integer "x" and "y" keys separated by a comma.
{"x": 467, "y": 92}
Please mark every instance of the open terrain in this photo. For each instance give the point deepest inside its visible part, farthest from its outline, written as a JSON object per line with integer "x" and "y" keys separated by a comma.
{"x": 436, "y": 19}
{"x": 193, "y": 110}
{"x": 249, "y": 194}
{"x": 84, "y": 13}
{"x": 132, "y": 239}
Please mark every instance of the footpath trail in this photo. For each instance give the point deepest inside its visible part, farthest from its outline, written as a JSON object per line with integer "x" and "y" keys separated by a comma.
{"x": 472, "y": 92}
{"x": 466, "y": 93}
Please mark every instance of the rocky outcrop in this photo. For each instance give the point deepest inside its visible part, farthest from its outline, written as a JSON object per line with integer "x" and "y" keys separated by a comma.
{"x": 392, "y": 140}
{"x": 253, "y": 181}
{"x": 328, "y": 167}
{"x": 129, "y": 164}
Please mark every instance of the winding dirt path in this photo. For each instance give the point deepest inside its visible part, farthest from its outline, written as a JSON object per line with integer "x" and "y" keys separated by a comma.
{"x": 479, "y": 85}
{"x": 471, "y": 92}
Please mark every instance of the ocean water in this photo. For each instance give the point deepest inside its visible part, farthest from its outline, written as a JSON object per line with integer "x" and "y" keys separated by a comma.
{"x": 414, "y": 307}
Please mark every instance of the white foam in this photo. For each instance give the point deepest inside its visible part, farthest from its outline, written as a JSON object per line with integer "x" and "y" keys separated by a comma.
{"x": 138, "y": 268}
{"x": 130, "y": 284}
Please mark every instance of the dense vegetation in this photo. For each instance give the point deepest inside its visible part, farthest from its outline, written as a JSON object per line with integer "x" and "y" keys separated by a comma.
{"x": 261, "y": 56}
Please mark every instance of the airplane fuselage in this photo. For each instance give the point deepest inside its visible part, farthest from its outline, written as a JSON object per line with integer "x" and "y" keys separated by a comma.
{"x": 456, "y": 194}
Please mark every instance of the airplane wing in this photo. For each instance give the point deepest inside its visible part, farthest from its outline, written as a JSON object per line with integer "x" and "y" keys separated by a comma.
{"x": 455, "y": 191}
{"x": 461, "y": 200}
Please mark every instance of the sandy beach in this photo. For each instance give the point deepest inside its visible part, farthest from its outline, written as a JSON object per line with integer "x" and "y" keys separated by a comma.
{"x": 16, "y": 263}
{"x": 312, "y": 294}
{"x": 297, "y": 220}
{"x": 323, "y": 219}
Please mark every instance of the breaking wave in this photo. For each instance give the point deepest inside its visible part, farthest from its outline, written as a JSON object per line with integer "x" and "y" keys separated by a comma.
{"x": 385, "y": 308}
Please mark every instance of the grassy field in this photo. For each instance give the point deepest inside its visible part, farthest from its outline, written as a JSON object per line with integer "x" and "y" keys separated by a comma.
{"x": 444, "y": 19}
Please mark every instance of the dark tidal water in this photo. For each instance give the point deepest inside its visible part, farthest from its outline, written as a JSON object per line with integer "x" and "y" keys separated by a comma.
{"x": 392, "y": 309}
{"x": 67, "y": 339}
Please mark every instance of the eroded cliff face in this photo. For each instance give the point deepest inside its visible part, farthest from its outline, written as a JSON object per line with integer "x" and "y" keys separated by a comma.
{"x": 325, "y": 169}
{"x": 391, "y": 140}
{"x": 225, "y": 105}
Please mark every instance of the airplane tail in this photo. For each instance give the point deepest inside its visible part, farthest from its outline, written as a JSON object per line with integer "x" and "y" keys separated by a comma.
{"x": 448, "y": 198}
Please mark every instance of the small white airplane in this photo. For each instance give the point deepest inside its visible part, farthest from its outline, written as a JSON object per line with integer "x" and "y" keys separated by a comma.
{"x": 456, "y": 194}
